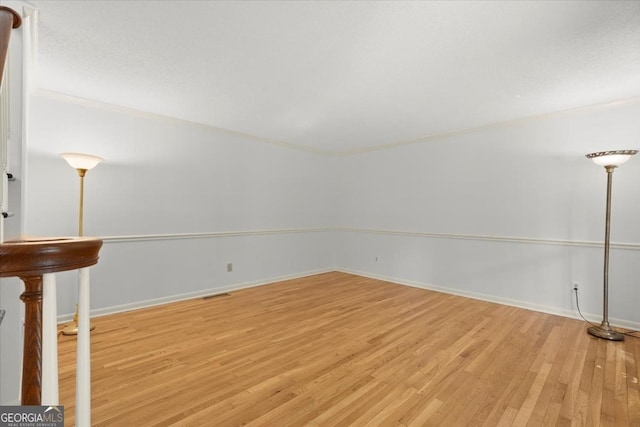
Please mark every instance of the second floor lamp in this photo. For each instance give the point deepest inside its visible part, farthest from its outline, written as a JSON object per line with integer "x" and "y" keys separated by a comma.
{"x": 81, "y": 163}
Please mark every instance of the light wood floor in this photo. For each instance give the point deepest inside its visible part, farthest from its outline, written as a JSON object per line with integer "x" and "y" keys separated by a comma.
{"x": 336, "y": 349}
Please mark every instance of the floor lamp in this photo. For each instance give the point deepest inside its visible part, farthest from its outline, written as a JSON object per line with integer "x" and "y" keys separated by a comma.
{"x": 610, "y": 160}
{"x": 81, "y": 163}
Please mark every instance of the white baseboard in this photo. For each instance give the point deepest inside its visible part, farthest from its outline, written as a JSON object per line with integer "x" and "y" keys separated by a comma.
{"x": 190, "y": 295}
{"x": 498, "y": 300}
{"x": 452, "y": 291}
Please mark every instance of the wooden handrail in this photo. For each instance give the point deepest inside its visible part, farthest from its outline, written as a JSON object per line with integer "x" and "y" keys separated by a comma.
{"x": 38, "y": 256}
{"x": 9, "y": 19}
{"x": 29, "y": 260}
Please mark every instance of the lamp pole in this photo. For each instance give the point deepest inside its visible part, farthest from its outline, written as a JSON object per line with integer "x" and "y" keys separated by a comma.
{"x": 81, "y": 173}
{"x": 604, "y": 330}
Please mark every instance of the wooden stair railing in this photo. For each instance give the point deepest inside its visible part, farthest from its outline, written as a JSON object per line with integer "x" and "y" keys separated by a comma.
{"x": 9, "y": 19}
{"x": 34, "y": 261}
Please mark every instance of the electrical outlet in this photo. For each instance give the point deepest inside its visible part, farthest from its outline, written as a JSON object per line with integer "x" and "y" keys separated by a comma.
{"x": 229, "y": 267}
{"x": 575, "y": 286}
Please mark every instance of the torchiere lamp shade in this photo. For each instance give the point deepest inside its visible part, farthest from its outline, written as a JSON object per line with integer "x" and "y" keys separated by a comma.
{"x": 82, "y": 161}
{"x": 611, "y": 158}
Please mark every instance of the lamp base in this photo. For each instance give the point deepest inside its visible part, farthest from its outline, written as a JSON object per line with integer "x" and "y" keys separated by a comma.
{"x": 73, "y": 329}
{"x": 605, "y": 332}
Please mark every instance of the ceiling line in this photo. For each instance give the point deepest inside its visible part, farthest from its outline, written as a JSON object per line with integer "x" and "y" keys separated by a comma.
{"x": 155, "y": 116}
{"x": 497, "y": 125}
{"x": 338, "y": 153}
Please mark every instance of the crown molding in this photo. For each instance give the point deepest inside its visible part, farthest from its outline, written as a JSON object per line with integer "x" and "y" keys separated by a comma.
{"x": 86, "y": 102}
{"x": 337, "y": 153}
{"x": 497, "y": 125}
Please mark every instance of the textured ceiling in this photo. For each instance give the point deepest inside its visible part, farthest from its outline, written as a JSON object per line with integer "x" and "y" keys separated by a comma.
{"x": 342, "y": 76}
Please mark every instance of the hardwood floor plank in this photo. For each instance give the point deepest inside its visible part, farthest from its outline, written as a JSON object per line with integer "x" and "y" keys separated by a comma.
{"x": 574, "y": 380}
{"x": 632, "y": 374}
{"x": 341, "y": 350}
{"x": 526, "y": 410}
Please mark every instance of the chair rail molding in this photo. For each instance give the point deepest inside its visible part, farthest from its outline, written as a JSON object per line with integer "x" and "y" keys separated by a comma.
{"x": 488, "y": 238}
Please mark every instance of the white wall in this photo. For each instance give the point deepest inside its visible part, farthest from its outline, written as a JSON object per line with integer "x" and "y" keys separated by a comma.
{"x": 163, "y": 181}
{"x": 530, "y": 204}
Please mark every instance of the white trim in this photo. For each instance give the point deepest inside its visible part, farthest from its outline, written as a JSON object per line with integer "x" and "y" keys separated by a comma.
{"x": 339, "y": 153}
{"x": 191, "y": 295}
{"x": 501, "y": 239}
{"x": 506, "y": 239}
{"x": 255, "y": 283}
{"x": 31, "y": 15}
{"x": 494, "y": 299}
{"x": 5, "y": 125}
{"x": 30, "y": 24}
{"x": 208, "y": 235}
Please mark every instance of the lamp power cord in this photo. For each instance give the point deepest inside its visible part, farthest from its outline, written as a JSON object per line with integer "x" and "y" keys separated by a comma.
{"x": 629, "y": 333}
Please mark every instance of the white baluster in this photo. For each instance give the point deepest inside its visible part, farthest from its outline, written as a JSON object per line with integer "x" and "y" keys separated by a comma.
{"x": 83, "y": 372}
{"x": 49, "y": 341}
